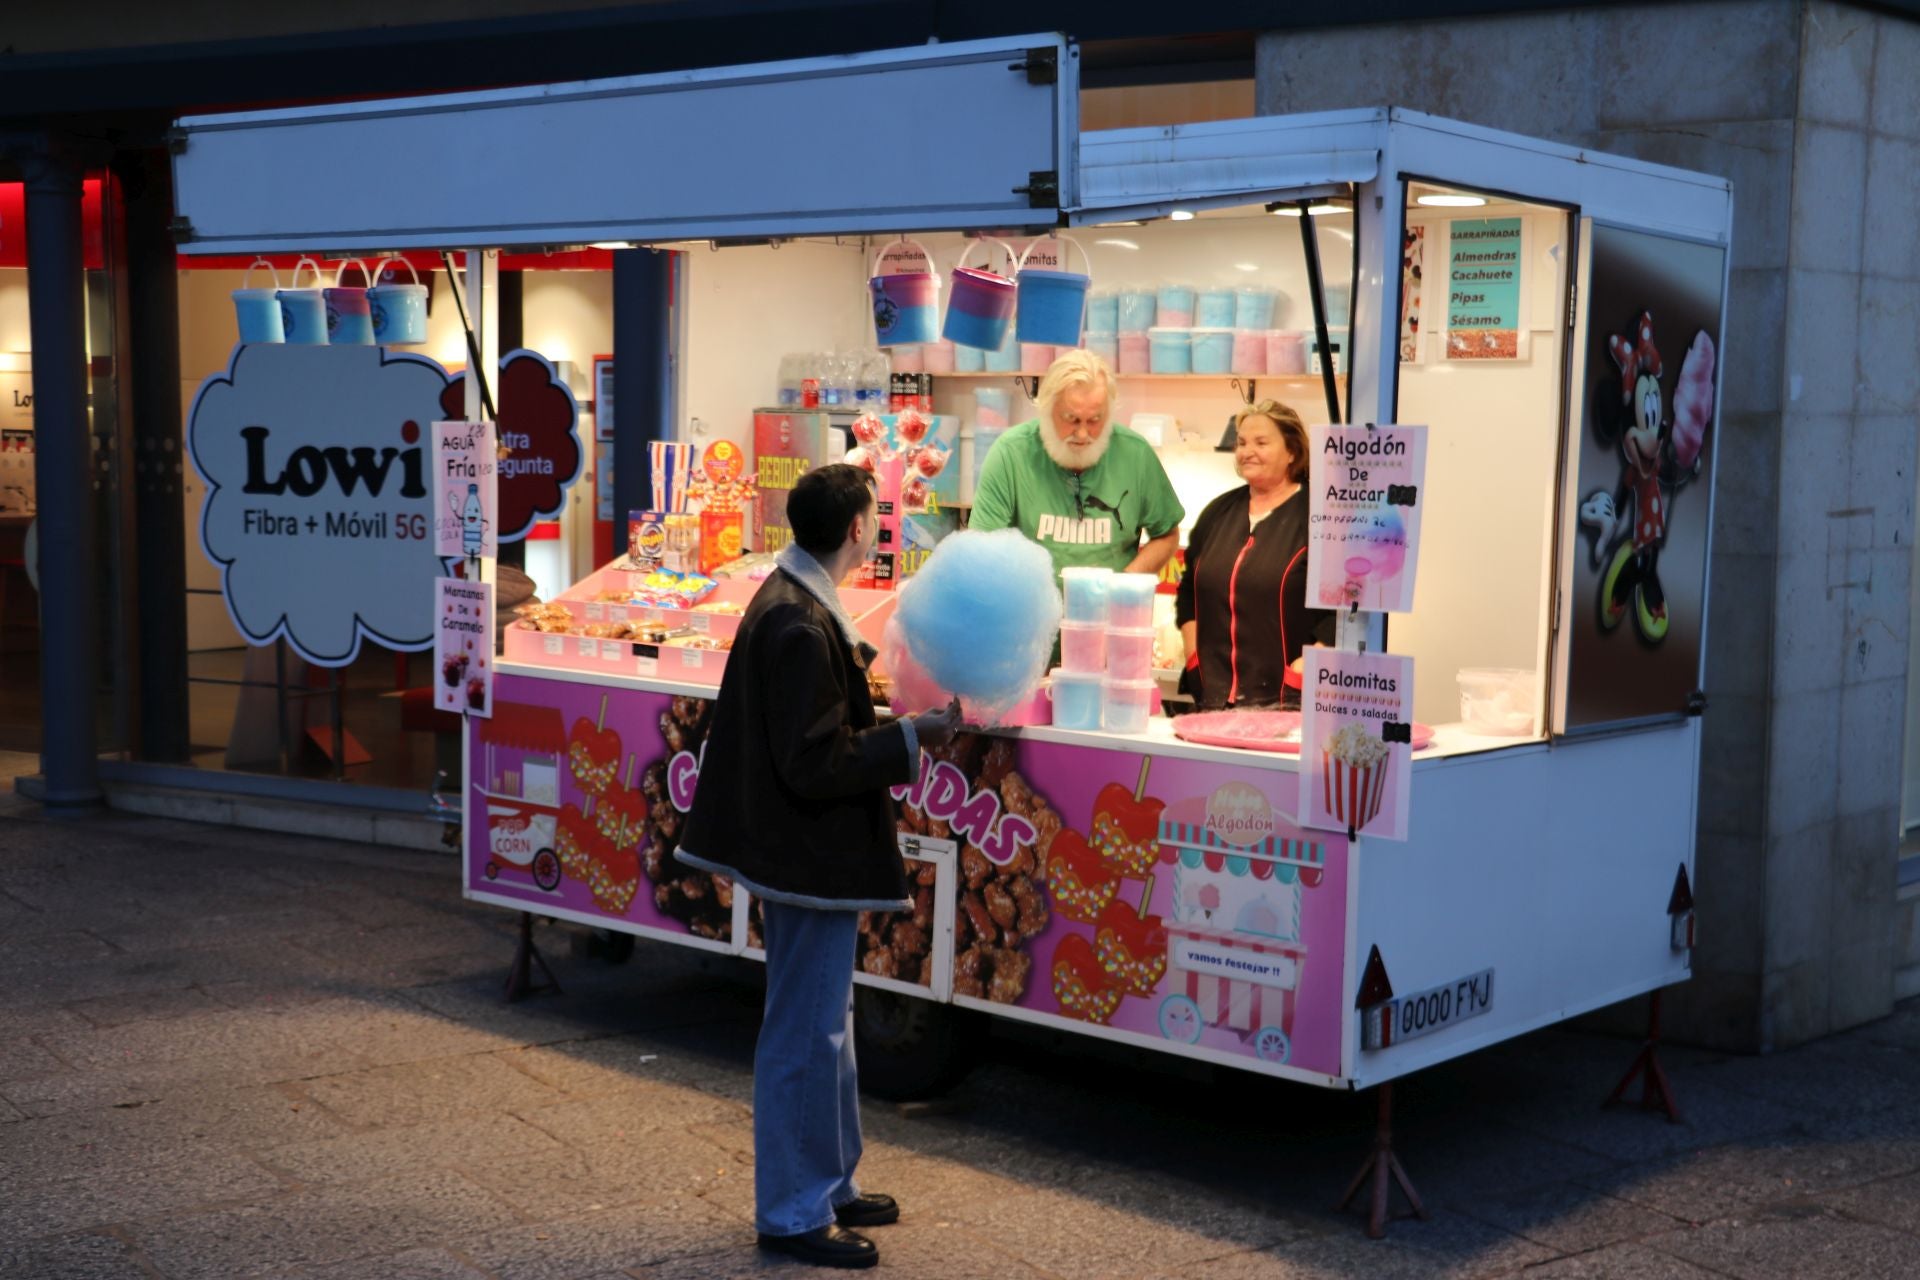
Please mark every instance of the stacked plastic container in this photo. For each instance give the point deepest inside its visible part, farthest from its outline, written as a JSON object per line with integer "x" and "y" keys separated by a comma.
{"x": 1105, "y": 677}
{"x": 1180, "y": 328}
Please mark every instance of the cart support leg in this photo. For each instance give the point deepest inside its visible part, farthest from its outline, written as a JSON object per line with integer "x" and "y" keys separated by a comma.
{"x": 520, "y": 982}
{"x": 1382, "y": 1165}
{"x": 1656, "y": 1091}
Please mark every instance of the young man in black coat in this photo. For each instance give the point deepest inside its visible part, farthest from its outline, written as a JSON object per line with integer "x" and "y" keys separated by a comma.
{"x": 792, "y": 803}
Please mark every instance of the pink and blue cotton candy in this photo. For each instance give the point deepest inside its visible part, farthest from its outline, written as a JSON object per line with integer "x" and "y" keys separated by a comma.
{"x": 977, "y": 621}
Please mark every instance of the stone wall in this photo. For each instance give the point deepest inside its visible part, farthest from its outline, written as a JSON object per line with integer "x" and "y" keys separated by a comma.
{"x": 1810, "y": 110}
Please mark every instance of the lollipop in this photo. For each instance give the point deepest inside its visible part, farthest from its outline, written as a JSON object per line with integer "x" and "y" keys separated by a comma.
{"x": 1081, "y": 884}
{"x": 911, "y": 425}
{"x": 929, "y": 460}
{"x": 868, "y": 429}
{"x": 860, "y": 456}
{"x": 1078, "y": 984}
{"x": 1126, "y": 824}
{"x": 1131, "y": 946}
{"x": 913, "y": 494}
{"x": 593, "y": 752}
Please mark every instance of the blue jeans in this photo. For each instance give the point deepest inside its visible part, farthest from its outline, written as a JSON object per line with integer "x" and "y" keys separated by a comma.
{"x": 806, "y": 1113}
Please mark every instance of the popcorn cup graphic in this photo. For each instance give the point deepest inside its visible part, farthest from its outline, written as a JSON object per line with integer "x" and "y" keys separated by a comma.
{"x": 1353, "y": 772}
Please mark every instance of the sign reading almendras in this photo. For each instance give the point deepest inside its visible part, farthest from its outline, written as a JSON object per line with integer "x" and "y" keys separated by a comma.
{"x": 319, "y": 505}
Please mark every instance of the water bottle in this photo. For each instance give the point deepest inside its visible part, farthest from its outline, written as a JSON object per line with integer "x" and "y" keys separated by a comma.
{"x": 789, "y": 396}
{"x": 875, "y": 371}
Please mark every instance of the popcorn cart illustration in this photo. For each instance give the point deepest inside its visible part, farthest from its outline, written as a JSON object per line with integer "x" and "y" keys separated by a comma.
{"x": 524, "y": 744}
{"x": 1234, "y": 950}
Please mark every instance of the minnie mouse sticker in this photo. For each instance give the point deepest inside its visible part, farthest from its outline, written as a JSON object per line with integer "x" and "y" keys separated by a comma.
{"x": 1637, "y": 537}
{"x": 1660, "y": 450}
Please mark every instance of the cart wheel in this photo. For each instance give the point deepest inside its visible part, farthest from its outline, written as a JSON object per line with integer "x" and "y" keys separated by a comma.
{"x": 911, "y": 1047}
{"x": 493, "y": 870}
{"x": 1270, "y": 1044}
{"x": 1180, "y": 1019}
{"x": 546, "y": 869}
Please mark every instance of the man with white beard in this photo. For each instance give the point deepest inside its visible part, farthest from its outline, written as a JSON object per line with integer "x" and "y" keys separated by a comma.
{"x": 1092, "y": 492}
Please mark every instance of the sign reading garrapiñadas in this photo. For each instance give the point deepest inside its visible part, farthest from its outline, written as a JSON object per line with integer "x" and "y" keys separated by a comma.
{"x": 319, "y": 503}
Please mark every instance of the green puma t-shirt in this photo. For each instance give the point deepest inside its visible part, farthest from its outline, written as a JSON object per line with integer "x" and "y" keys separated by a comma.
{"x": 1097, "y": 517}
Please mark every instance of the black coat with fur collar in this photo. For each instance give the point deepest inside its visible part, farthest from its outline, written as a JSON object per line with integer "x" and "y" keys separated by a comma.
{"x": 792, "y": 799}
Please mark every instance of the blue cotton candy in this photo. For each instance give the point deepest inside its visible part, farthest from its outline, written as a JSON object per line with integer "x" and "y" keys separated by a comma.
{"x": 981, "y": 616}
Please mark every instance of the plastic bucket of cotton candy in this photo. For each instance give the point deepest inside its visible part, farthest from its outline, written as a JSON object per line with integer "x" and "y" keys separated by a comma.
{"x": 979, "y": 619}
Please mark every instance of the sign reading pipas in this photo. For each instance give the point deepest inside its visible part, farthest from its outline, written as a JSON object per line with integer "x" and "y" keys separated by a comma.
{"x": 1363, "y": 516}
{"x": 1356, "y": 735}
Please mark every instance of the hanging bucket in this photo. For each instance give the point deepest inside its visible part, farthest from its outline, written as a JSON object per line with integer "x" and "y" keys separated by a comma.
{"x": 303, "y": 312}
{"x": 349, "y": 323}
{"x": 905, "y": 304}
{"x": 981, "y": 304}
{"x": 257, "y": 311}
{"x": 397, "y": 312}
{"x": 1052, "y": 303}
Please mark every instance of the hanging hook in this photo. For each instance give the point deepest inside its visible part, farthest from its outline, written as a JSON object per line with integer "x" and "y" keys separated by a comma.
{"x": 1246, "y": 390}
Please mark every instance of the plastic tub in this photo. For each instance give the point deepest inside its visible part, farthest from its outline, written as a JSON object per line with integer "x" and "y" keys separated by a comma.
{"x": 1106, "y": 346}
{"x": 398, "y": 311}
{"x": 1125, "y": 705}
{"x": 1077, "y": 698}
{"x": 1004, "y": 358}
{"x": 908, "y": 359}
{"x": 1136, "y": 311}
{"x": 1174, "y": 305}
{"x": 1130, "y": 653}
{"x": 980, "y": 304}
{"x": 303, "y": 312}
{"x": 991, "y": 408}
{"x": 968, "y": 359}
{"x": 904, "y": 307}
{"x": 1501, "y": 701}
{"x": 1212, "y": 350}
{"x": 1214, "y": 309}
{"x": 1085, "y": 590}
{"x": 257, "y": 309}
{"x": 1103, "y": 313}
{"x": 1171, "y": 350}
{"x": 1286, "y": 351}
{"x": 1253, "y": 307}
{"x": 1035, "y": 357}
{"x": 349, "y": 317}
{"x": 1135, "y": 353}
{"x": 1083, "y": 647}
{"x": 938, "y": 356}
{"x": 1052, "y": 304}
{"x": 1130, "y": 599}
{"x": 1249, "y": 351}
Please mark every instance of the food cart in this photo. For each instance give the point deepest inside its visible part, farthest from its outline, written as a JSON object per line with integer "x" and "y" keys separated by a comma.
{"x": 1147, "y": 889}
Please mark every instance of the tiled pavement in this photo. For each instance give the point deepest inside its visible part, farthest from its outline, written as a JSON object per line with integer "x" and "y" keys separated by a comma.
{"x": 229, "y": 1054}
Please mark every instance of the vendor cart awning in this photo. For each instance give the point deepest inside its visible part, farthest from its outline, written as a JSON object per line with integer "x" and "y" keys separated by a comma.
{"x": 1145, "y": 173}
{"x": 979, "y": 133}
{"x": 525, "y": 727}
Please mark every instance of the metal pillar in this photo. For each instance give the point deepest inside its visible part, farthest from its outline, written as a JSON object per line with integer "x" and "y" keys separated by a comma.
{"x": 159, "y": 457}
{"x": 642, "y": 375}
{"x": 69, "y": 615}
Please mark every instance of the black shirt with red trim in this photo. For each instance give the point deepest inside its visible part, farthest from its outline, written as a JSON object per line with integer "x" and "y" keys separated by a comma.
{"x": 1247, "y": 593}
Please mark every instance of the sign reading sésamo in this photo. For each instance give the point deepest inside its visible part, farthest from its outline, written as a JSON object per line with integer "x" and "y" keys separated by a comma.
{"x": 319, "y": 507}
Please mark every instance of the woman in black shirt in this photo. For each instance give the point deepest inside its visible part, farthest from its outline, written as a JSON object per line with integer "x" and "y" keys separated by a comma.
{"x": 1242, "y": 603}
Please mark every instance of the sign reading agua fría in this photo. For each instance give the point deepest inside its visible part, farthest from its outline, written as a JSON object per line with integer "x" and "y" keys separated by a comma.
{"x": 465, "y": 471}
{"x": 319, "y": 507}
{"x": 1356, "y": 735}
{"x": 1363, "y": 516}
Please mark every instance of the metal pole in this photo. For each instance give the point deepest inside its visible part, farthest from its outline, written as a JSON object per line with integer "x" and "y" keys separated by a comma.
{"x": 642, "y": 375}
{"x": 69, "y": 616}
{"x": 1309, "y": 241}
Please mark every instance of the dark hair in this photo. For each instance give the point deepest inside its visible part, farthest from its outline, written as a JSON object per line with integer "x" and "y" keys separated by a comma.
{"x": 1293, "y": 433}
{"x": 823, "y": 504}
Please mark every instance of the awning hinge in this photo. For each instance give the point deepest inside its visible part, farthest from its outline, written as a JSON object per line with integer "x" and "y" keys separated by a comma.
{"x": 1041, "y": 65}
{"x": 181, "y": 229}
{"x": 176, "y": 140}
{"x": 1042, "y": 190}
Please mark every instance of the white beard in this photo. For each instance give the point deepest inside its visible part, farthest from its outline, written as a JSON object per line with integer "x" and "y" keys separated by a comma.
{"x": 1066, "y": 456}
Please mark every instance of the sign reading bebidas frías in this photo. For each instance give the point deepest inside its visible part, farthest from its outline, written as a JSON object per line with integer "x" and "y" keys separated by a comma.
{"x": 319, "y": 504}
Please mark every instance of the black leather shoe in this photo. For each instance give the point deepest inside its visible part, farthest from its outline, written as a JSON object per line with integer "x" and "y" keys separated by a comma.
{"x": 830, "y": 1246}
{"x": 868, "y": 1209}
